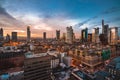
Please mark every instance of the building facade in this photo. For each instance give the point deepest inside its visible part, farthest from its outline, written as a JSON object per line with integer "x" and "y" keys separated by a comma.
{"x": 69, "y": 36}
{"x": 44, "y": 35}
{"x": 95, "y": 35}
{"x": 37, "y": 68}
{"x": 89, "y": 37}
{"x": 1, "y": 34}
{"x": 105, "y": 30}
{"x": 7, "y": 38}
{"x": 28, "y": 34}
{"x": 114, "y": 68}
{"x": 113, "y": 35}
{"x": 57, "y": 34}
{"x": 84, "y": 35}
{"x": 14, "y": 36}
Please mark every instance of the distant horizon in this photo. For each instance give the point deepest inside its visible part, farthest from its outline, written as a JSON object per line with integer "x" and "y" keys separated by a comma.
{"x": 52, "y": 36}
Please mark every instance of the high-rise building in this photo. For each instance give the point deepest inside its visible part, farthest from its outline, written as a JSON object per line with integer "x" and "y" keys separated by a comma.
{"x": 84, "y": 35}
{"x": 28, "y": 34}
{"x": 89, "y": 37}
{"x": 64, "y": 37}
{"x": 113, "y": 35}
{"x": 69, "y": 37}
{"x": 97, "y": 40}
{"x": 57, "y": 34}
{"x": 74, "y": 37}
{"x": 7, "y": 38}
{"x": 37, "y": 67}
{"x": 44, "y": 35}
{"x": 1, "y": 34}
{"x": 105, "y": 29}
{"x": 102, "y": 26}
{"x": 14, "y": 36}
{"x": 95, "y": 35}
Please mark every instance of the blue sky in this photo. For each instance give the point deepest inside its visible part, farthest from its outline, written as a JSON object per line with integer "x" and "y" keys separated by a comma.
{"x": 49, "y": 15}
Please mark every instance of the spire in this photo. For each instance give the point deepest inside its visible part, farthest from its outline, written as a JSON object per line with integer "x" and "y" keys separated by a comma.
{"x": 102, "y": 22}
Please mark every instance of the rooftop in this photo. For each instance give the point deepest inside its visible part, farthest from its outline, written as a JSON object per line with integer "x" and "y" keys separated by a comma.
{"x": 115, "y": 63}
{"x": 102, "y": 73}
{"x": 78, "y": 74}
{"x": 32, "y": 55}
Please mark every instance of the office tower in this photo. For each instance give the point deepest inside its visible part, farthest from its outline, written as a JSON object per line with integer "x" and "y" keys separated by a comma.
{"x": 1, "y": 34}
{"x": 89, "y": 37}
{"x": 97, "y": 40}
{"x": 113, "y": 35}
{"x": 84, "y": 35}
{"x": 73, "y": 36}
{"x": 102, "y": 26}
{"x": 57, "y": 34}
{"x": 14, "y": 36}
{"x": 69, "y": 37}
{"x": 37, "y": 67}
{"x": 44, "y": 35}
{"x": 64, "y": 36}
{"x": 28, "y": 34}
{"x": 105, "y": 29}
{"x": 95, "y": 35}
{"x": 7, "y": 38}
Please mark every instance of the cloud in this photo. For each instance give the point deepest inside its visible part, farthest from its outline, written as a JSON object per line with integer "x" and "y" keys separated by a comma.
{"x": 7, "y": 20}
{"x": 106, "y": 12}
{"x": 43, "y": 27}
{"x": 21, "y": 31}
{"x": 41, "y": 22}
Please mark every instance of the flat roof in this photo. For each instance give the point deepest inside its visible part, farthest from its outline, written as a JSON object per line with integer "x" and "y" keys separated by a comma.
{"x": 78, "y": 74}
{"x": 102, "y": 73}
{"x": 32, "y": 55}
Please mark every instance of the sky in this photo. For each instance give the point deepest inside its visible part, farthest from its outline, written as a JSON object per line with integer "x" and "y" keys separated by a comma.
{"x": 51, "y": 15}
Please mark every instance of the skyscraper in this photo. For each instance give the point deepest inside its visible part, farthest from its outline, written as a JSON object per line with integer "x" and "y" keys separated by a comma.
{"x": 7, "y": 38}
{"x": 14, "y": 36}
{"x": 105, "y": 29}
{"x": 64, "y": 37}
{"x": 113, "y": 35}
{"x": 1, "y": 34}
{"x": 44, "y": 35}
{"x": 74, "y": 37}
{"x": 102, "y": 26}
{"x": 95, "y": 35}
{"x": 97, "y": 40}
{"x": 84, "y": 34}
{"x": 28, "y": 34}
{"x": 69, "y": 37}
{"x": 89, "y": 38}
{"x": 57, "y": 34}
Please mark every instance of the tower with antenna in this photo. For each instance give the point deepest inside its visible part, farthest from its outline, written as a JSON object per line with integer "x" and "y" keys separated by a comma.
{"x": 28, "y": 34}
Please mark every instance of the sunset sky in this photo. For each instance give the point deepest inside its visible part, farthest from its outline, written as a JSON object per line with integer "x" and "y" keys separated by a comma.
{"x": 49, "y": 15}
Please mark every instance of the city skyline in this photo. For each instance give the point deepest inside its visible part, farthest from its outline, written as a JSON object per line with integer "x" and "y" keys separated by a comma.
{"x": 48, "y": 16}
